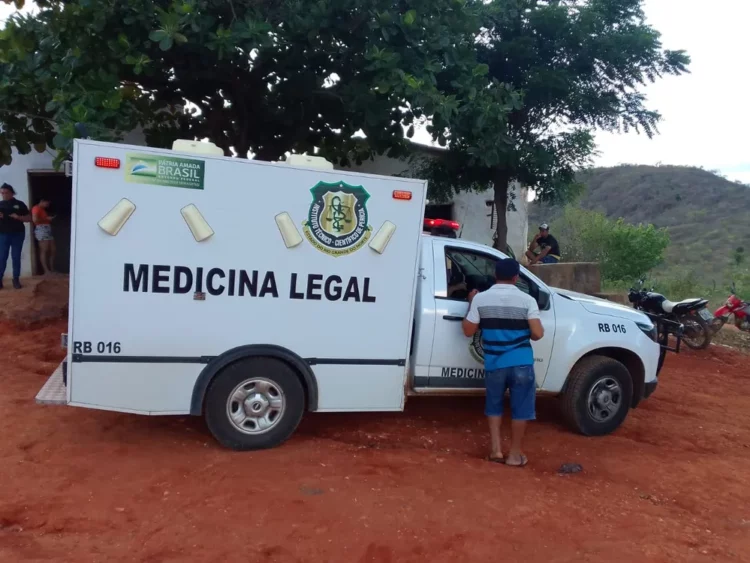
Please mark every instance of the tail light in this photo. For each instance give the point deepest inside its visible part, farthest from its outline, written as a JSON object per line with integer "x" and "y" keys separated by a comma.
{"x": 106, "y": 162}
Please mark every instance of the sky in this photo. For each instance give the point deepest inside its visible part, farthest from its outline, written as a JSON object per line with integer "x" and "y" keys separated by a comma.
{"x": 706, "y": 119}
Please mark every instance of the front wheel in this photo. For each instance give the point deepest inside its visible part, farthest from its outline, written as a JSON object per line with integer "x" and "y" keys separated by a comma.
{"x": 697, "y": 334}
{"x": 598, "y": 396}
{"x": 254, "y": 403}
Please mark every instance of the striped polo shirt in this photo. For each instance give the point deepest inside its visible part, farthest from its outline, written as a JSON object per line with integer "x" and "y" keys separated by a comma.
{"x": 502, "y": 313}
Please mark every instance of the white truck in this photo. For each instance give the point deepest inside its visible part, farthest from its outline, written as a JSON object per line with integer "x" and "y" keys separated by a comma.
{"x": 250, "y": 292}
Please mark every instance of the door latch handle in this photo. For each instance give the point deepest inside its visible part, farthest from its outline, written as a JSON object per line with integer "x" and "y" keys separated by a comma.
{"x": 452, "y": 318}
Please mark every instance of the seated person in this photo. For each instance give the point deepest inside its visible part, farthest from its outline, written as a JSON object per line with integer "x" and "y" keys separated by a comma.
{"x": 544, "y": 248}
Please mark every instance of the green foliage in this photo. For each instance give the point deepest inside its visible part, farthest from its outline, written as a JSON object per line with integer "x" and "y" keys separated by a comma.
{"x": 624, "y": 251}
{"x": 706, "y": 225}
{"x": 570, "y": 66}
{"x": 738, "y": 256}
{"x": 253, "y": 77}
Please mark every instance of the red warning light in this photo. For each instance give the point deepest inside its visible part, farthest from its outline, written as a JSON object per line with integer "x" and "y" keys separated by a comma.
{"x": 106, "y": 162}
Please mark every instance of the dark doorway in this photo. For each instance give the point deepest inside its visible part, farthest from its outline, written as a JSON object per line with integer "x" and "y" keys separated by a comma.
{"x": 439, "y": 212}
{"x": 58, "y": 189}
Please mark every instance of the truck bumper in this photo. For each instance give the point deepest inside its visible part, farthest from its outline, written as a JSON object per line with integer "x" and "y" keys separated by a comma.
{"x": 649, "y": 388}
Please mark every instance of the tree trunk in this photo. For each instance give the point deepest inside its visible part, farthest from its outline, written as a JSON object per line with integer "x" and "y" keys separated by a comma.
{"x": 501, "y": 180}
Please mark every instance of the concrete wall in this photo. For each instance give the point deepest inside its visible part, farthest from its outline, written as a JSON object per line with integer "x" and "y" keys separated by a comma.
{"x": 17, "y": 176}
{"x": 470, "y": 209}
{"x": 583, "y": 277}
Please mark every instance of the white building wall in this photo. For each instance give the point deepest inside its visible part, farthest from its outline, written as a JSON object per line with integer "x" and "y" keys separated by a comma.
{"x": 17, "y": 176}
{"x": 470, "y": 209}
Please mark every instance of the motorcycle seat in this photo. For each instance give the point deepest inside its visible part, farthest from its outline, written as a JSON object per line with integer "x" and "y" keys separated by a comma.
{"x": 681, "y": 306}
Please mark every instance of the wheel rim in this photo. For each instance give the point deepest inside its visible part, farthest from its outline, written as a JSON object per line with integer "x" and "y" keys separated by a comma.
{"x": 693, "y": 332}
{"x": 605, "y": 399}
{"x": 255, "y": 406}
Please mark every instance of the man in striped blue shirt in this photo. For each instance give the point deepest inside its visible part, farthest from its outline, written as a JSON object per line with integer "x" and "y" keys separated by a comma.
{"x": 509, "y": 320}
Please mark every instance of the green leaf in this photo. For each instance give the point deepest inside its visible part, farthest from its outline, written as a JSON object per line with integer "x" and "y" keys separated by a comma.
{"x": 165, "y": 44}
{"x": 50, "y": 106}
{"x": 179, "y": 38}
{"x": 60, "y": 141}
{"x": 158, "y": 35}
{"x": 409, "y": 17}
{"x": 40, "y": 146}
{"x": 481, "y": 70}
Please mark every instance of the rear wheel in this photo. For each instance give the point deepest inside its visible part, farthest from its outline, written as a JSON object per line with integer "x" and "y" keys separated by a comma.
{"x": 598, "y": 396}
{"x": 254, "y": 403}
{"x": 697, "y": 333}
{"x": 718, "y": 323}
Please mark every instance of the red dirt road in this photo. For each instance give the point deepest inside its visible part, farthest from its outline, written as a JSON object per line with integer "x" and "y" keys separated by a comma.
{"x": 671, "y": 485}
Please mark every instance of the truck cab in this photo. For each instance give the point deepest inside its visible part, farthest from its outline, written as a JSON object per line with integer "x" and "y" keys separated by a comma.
{"x": 600, "y": 357}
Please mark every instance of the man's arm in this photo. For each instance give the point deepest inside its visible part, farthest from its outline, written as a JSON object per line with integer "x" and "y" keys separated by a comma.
{"x": 537, "y": 330}
{"x": 470, "y": 324}
{"x": 535, "y": 323}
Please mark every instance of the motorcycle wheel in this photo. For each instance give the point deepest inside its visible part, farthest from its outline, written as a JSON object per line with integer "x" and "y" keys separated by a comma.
{"x": 697, "y": 333}
{"x": 717, "y": 324}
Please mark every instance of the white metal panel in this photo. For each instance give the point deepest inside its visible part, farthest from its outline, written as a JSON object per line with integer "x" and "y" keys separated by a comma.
{"x": 360, "y": 388}
{"x": 240, "y": 201}
{"x": 142, "y": 388}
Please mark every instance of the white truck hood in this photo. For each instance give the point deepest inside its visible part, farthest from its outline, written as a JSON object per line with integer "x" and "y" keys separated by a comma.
{"x": 603, "y": 307}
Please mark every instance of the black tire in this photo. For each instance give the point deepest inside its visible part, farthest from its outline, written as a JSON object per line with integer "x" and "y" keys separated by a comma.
{"x": 703, "y": 333}
{"x": 284, "y": 382}
{"x": 589, "y": 373}
{"x": 718, "y": 323}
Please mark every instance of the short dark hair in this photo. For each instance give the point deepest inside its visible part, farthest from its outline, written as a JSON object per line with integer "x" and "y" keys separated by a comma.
{"x": 506, "y": 269}
{"x": 7, "y": 186}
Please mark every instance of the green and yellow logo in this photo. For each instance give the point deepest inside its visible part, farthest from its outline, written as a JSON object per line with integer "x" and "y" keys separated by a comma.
{"x": 162, "y": 170}
{"x": 337, "y": 221}
{"x": 475, "y": 347}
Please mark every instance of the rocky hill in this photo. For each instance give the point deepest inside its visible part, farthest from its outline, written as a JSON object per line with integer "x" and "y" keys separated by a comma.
{"x": 708, "y": 217}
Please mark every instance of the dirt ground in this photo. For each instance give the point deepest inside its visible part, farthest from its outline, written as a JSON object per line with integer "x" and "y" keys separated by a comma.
{"x": 78, "y": 485}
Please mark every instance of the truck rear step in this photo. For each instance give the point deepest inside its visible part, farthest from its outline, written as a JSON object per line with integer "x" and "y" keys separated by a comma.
{"x": 54, "y": 391}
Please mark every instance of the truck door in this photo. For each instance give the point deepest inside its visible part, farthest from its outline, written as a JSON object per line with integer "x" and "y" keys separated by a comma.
{"x": 456, "y": 361}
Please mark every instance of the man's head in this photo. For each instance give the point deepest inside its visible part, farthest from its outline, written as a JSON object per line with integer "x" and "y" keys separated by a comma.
{"x": 7, "y": 191}
{"x": 507, "y": 270}
{"x": 544, "y": 229}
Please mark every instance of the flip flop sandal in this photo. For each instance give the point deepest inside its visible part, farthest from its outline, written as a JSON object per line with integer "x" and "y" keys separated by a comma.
{"x": 495, "y": 459}
{"x": 524, "y": 461}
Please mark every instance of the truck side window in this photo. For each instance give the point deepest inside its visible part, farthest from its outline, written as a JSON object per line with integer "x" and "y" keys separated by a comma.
{"x": 466, "y": 271}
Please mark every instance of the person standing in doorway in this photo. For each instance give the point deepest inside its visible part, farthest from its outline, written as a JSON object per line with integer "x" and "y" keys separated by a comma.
{"x": 43, "y": 235}
{"x": 13, "y": 215}
{"x": 509, "y": 319}
{"x": 547, "y": 246}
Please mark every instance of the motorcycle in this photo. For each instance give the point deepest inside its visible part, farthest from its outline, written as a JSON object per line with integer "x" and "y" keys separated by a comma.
{"x": 733, "y": 306}
{"x": 690, "y": 313}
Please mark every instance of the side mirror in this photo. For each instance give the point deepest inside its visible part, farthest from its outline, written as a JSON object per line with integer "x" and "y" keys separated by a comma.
{"x": 543, "y": 300}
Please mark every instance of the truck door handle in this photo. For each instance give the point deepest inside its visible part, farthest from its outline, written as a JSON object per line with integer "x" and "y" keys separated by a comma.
{"x": 452, "y": 318}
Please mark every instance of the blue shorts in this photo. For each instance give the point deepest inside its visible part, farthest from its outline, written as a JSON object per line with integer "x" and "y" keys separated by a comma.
{"x": 550, "y": 260}
{"x": 521, "y": 382}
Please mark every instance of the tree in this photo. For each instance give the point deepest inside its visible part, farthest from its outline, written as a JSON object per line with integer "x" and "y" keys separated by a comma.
{"x": 260, "y": 78}
{"x": 576, "y": 65}
{"x": 624, "y": 251}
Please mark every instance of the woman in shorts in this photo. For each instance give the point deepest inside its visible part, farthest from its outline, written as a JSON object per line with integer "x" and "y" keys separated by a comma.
{"x": 43, "y": 235}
